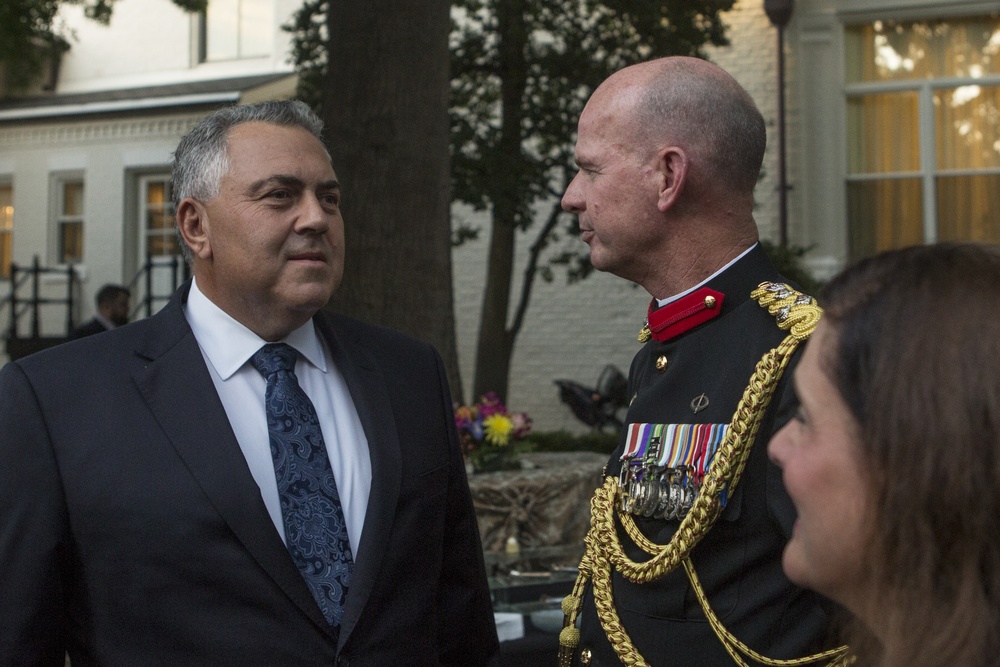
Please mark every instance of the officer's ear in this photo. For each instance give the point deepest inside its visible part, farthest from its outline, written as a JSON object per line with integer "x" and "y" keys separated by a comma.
{"x": 672, "y": 165}
{"x": 192, "y": 222}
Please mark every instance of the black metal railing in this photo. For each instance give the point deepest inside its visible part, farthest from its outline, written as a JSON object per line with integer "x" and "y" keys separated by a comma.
{"x": 19, "y": 345}
{"x": 152, "y": 286}
{"x": 175, "y": 268}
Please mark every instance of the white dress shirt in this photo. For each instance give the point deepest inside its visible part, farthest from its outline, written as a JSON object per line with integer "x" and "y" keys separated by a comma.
{"x": 227, "y": 347}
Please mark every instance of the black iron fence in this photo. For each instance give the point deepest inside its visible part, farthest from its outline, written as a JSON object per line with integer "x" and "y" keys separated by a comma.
{"x": 30, "y": 307}
{"x": 31, "y": 324}
{"x": 155, "y": 283}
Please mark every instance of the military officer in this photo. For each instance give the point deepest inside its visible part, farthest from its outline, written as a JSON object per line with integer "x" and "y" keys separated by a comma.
{"x": 669, "y": 152}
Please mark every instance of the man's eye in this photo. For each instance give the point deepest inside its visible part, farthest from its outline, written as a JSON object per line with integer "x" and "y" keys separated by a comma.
{"x": 279, "y": 194}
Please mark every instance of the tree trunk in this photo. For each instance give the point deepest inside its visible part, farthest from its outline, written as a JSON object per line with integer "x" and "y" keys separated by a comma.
{"x": 385, "y": 103}
{"x": 496, "y": 342}
{"x": 495, "y": 346}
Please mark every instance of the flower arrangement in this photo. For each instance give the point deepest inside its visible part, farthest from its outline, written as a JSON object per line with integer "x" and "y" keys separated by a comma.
{"x": 489, "y": 434}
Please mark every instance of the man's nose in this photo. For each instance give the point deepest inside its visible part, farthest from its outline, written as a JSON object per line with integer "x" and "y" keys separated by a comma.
{"x": 314, "y": 217}
{"x": 571, "y": 200}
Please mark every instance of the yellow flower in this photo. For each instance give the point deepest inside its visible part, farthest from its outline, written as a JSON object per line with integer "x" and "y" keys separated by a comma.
{"x": 498, "y": 429}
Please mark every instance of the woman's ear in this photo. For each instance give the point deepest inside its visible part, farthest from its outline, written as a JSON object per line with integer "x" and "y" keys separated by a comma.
{"x": 192, "y": 222}
{"x": 672, "y": 163}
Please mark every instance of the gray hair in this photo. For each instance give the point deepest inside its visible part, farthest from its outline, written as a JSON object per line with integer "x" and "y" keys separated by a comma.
{"x": 202, "y": 156}
{"x": 715, "y": 112}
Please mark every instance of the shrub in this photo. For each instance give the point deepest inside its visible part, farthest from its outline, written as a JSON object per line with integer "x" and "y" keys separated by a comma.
{"x": 603, "y": 442}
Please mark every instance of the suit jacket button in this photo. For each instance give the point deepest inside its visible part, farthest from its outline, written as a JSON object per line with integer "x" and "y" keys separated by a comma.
{"x": 586, "y": 656}
{"x": 661, "y": 363}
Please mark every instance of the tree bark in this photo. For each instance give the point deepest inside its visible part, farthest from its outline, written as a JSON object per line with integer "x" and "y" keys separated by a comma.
{"x": 385, "y": 104}
{"x": 496, "y": 342}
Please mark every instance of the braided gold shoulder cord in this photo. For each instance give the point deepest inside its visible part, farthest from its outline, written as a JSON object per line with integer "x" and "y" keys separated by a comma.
{"x": 796, "y": 313}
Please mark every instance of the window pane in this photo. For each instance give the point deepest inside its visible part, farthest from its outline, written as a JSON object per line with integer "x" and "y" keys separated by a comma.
{"x": 70, "y": 242}
{"x": 73, "y": 198}
{"x": 883, "y": 132}
{"x": 968, "y": 127}
{"x": 5, "y": 253}
{"x": 891, "y": 50}
{"x": 968, "y": 208}
{"x": 162, "y": 245}
{"x": 222, "y": 20}
{"x": 238, "y": 29}
{"x": 159, "y": 210}
{"x": 155, "y": 194}
{"x": 883, "y": 215}
{"x": 255, "y": 28}
{"x": 159, "y": 220}
{"x": 6, "y": 207}
{"x": 6, "y": 227}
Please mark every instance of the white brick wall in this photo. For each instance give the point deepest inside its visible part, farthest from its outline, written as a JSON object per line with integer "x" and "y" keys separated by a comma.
{"x": 752, "y": 60}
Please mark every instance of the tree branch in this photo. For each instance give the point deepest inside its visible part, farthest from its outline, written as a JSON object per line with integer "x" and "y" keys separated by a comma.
{"x": 532, "y": 268}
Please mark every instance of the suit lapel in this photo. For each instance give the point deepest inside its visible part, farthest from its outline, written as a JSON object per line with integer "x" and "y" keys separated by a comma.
{"x": 179, "y": 391}
{"x": 371, "y": 399}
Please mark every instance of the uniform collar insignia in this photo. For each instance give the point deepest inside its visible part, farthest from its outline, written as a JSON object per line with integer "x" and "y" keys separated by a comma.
{"x": 681, "y": 315}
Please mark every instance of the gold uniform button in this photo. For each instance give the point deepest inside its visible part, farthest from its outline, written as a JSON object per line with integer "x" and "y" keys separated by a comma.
{"x": 710, "y": 302}
{"x": 585, "y": 656}
{"x": 661, "y": 363}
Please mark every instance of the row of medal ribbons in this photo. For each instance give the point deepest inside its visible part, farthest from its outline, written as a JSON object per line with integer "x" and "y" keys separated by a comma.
{"x": 663, "y": 466}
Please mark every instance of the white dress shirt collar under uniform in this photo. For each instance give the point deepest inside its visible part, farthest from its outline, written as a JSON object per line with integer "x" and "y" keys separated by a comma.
{"x": 671, "y": 299}
{"x": 227, "y": 347}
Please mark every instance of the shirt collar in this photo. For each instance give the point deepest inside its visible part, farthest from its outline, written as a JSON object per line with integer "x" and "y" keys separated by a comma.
{"x": 675, "y": 297}
{"x": 228, "y": 344}
{"x": 108, "y": 324}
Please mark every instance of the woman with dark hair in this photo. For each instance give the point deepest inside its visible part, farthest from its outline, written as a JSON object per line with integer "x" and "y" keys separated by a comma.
{"x": 893, "y": 461}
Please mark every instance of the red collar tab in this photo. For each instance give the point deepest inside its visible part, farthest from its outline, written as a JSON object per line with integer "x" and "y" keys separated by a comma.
{"x": 683, "y": 314}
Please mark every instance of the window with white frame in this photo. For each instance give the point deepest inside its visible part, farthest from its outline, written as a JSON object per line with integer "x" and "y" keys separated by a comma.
{"x": 68, "y": 219}
{"x": 923, "y": 110}
{"x": 156, "y": 215}
{"x": 234, "y": 29}
{"x": 6, "y": 228}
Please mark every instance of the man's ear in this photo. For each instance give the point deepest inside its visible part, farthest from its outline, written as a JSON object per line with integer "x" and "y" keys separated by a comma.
{"x": 192, "y": 222}
{"x": 672, "y": 163}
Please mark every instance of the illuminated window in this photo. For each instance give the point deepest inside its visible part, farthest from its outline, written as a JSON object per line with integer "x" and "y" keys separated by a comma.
{"x": 157, "y": 215}
{"x": 235, "y": 29}
{"x": 923, "y": 110}
{"x": 69, "y": 220}
{"x": 6, "y": 228}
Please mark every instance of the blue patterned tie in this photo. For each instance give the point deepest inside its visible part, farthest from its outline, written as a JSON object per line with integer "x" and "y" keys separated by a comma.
{"x": 315, "y": 529}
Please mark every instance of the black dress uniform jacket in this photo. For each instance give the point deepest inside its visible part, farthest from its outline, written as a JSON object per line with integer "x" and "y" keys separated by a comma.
{"x": 739, "y": 560}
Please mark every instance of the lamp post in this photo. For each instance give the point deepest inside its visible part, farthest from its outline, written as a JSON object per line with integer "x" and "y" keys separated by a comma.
{"x": 779, "y": 12}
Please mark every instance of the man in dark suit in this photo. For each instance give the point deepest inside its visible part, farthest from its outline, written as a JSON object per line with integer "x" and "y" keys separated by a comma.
{"x": 151, "y": 477}
{"x": 112, "y": 312}
{"x": 669, "y": 152}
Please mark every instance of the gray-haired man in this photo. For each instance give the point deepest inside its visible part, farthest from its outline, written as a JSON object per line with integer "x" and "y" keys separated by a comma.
{"x": 240, "y": 479}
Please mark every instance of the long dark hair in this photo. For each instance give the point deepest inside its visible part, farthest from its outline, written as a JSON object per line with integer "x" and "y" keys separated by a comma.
{"x": 917, "y": 360}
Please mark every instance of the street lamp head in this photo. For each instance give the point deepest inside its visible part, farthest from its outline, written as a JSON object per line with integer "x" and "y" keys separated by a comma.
{"x": 779, "y": 11}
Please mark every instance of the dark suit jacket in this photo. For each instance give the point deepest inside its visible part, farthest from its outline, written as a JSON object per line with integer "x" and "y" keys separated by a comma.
{"x": 88, "y": 328}
{"x": 132, "y": 533}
